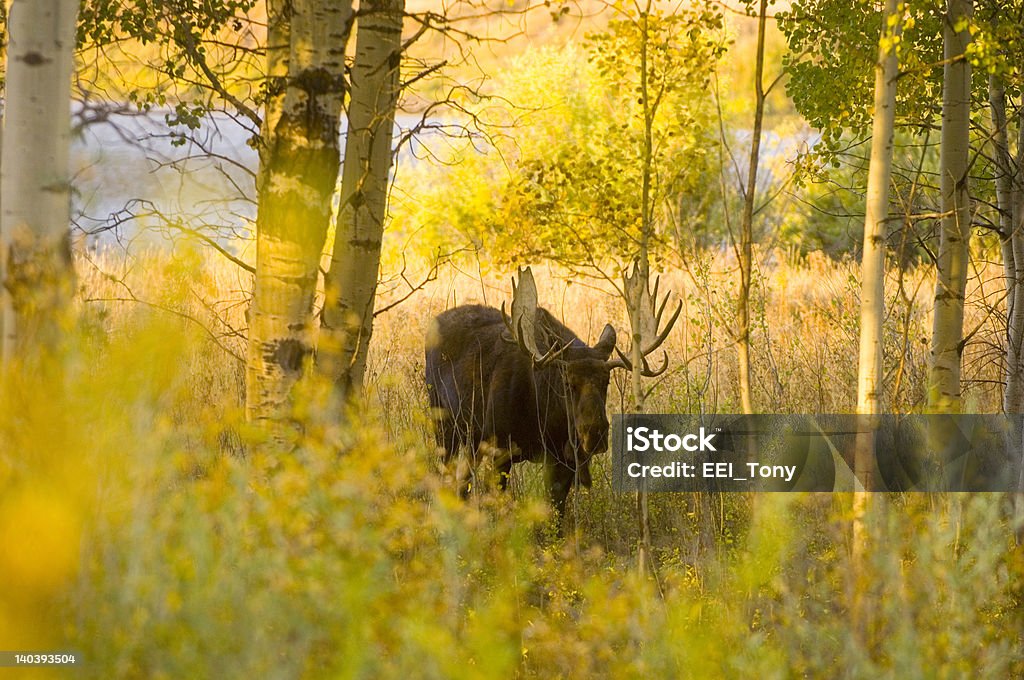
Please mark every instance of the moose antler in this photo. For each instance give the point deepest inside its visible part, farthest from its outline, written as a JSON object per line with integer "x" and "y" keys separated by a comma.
{"x": 647, "y": 319}
{"x": 523, "y": 324}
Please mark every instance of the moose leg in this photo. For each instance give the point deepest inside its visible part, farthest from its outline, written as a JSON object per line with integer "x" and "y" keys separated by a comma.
{"x": 504, "y": 473}
{"x": 463, "y": 475}
{"x": 582, "y": 475}
{"x": 477, "y": 470}
{"x": 560, "y": 479}
{"x": 493, "y": 462}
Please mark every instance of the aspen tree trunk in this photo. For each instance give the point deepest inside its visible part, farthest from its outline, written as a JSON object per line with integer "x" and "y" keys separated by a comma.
{"x": 872, "y": 309}
{"x": 640, "y": 310}
{"x": 1009, "y": 198}
{"x": 951, "y": 270}
{"x": 869, "y": 380}
{"x": 278, "y": 50}
{"x": 645, "y": 307}
{"x": 297, "y": 177}
{"x": 351, "y": 283}
{"x": 641, "y": 284}
{"x": 35, "y": 247}
{"x": 1010, "y": 201}
{"x": 746, "y": 245}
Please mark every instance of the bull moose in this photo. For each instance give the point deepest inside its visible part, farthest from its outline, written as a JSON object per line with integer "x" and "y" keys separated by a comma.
{"x": 520, "y": 389}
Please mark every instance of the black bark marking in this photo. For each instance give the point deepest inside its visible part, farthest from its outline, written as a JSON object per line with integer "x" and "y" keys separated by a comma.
{"x": 288, "y": 354}
{"x": 34, "y": 59}
{"x": 365, "y": 243}
{"x": 319, "y": 80}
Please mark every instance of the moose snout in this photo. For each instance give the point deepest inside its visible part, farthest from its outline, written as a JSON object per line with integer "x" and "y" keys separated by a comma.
{"x": 594, "y": 440}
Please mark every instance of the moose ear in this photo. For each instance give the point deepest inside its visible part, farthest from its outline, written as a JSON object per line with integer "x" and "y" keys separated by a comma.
{"x": 606, "y": 343}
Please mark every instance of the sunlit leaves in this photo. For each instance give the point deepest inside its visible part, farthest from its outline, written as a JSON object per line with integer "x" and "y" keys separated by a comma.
{"x": 997, "y": 44}
{"x": 149, "y": 51}
{"x": 104, "y": 21}
{"x": 556, "y": 173}
{"x": 834, "y": 44}
{"x": 585, "y": 189}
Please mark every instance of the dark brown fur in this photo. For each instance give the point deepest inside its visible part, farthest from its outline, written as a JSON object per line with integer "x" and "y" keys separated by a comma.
{"x": 485, "y": 390}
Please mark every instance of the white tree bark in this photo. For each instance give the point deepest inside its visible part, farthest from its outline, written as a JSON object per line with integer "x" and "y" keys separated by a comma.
{"x": 872, "y": 303}
{"x": 1010, "y": 199}
{"x": 951, "y": 275}
{"x": 351, "y": 284}
{"x": 35, "y": 251}
{"x": 297, "y": 177}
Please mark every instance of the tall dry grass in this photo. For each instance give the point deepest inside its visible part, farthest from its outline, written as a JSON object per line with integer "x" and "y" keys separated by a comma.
{"x": 805, "y": 326}
{"x": 805, "y": 332}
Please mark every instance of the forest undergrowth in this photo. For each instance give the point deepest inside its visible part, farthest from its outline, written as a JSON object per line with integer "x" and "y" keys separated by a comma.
{"x": 160, "y": 548}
